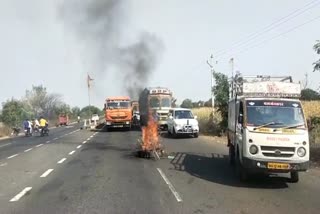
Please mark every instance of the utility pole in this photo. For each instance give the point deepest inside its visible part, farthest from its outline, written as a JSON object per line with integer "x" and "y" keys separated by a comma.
{"x": 232, "y": 76}
{"x": 212, "y": 81}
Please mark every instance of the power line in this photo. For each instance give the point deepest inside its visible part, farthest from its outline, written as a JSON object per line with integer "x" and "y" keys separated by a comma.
{"x": 270, "y": 27}
{"x": 278, "y": 35}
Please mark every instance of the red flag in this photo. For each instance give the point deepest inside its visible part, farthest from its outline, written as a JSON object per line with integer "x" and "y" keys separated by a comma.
{"x": 88, "y": 80}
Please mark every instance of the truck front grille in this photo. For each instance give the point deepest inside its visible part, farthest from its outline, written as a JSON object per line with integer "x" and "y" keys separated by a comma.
{"x": 275, "y": 151}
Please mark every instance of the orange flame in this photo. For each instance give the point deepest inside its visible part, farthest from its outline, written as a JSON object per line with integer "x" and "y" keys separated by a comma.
{"x": 150, "y": 138}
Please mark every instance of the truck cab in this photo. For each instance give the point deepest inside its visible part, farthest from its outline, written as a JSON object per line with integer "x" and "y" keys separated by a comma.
{"x": 158, "y": 100}
{"x": 267, "y": 129}
{"x": 118, "y": 112}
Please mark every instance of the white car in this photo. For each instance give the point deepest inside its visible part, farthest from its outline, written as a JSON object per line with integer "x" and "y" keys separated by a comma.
{"x": 182, "y": 122}
{"x": 95, "y": 117}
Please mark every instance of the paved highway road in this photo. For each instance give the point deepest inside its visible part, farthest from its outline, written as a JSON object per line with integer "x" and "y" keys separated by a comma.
{"x": 79, "y": 171}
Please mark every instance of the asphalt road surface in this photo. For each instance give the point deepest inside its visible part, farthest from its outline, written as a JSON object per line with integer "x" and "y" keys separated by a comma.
{"x": 81, "y": 171}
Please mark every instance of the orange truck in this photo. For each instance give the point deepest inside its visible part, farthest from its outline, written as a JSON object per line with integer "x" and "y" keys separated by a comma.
{"x": 118, "y": 112}
{"x": 63, "y": 120}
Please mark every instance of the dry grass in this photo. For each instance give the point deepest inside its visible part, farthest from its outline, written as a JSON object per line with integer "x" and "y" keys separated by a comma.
{"x": 311, "y": 108}
{"x": 4, "y": 131}
{"x": 207, "y": 123}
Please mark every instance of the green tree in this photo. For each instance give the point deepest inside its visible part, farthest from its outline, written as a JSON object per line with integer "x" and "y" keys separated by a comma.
{"x": 187, "y": 103}
{"x": 40, "y": 102}
{"x": 221, "y": 92}
{"x": 75, "y": 111}
{"x": 89, "y": 110}
{"x": 13, "y": 113}
{"x": 316, "y": 64}
{"x": 309, "y": 94}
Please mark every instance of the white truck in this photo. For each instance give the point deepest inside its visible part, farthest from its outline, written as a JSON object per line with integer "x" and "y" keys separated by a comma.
{"x": 267, "y": 130}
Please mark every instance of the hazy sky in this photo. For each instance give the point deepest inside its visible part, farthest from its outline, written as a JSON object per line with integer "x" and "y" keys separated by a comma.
{"x": 38, "y": 48}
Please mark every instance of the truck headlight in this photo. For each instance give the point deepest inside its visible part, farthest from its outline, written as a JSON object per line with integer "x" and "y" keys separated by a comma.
{"x": 301, "y": 152}
{"x": 253, "y": 149}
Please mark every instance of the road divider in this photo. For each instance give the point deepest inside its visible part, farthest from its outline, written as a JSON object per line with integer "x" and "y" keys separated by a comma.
{"x": 62, "y": 160}
{"x": 171, "y": 187}
{"x": 21, "y": 194}
{"x": 12, "y": 156}
{"x": 7, "y": 144}
{"x": 46, "y": 173}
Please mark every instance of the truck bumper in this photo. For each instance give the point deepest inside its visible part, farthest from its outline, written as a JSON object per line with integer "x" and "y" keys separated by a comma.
{"x": 122, "y": 124}
{"x": 262, "y": 166}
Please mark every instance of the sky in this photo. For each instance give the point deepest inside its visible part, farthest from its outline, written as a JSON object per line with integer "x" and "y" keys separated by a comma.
{"x": 40, "y": 46}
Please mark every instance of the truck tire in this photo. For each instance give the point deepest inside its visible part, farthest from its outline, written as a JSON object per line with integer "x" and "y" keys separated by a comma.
{"x": 174, "y": 134}
{"x": 294, "y": 177}
{"x": 241, "y": 172}
{"x": 196, "y": 135}
{"x": 232, "y": 155}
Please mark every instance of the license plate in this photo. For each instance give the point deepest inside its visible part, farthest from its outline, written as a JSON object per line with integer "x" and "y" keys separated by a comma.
{"x": 278, "y": 166}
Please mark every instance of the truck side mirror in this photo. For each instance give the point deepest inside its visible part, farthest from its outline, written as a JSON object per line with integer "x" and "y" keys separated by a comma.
{"x": 240, "y": 119}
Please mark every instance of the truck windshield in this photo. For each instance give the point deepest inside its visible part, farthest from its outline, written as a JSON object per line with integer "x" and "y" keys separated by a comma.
{"x": 183, "y": 114}
{"x": 166, "y": 102}
{"x": 154, "y": 102}
{"x": 274, "y": 113}
{"x": 121, "y": 104}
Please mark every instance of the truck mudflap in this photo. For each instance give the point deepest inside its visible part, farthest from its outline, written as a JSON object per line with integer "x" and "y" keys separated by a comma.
{"x": 274, "y": 166}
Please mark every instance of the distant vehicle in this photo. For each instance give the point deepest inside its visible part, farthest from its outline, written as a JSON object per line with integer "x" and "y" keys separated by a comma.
{"x": 182, "y": 122}
{"x": 118, "y": 112}
{"x": 63, "y": 120}
{"x": 158, "y": 100}
{"x": 135, "y": 114}
{"x": 267, "y": 130}
{"x": 95, "y": 117}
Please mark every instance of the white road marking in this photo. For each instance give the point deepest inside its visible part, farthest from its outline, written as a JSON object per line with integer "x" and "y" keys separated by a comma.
{"x": 55, "y": 138}
{"x": 27, "y": 150}
{"x": 12, "y": 156}
{"x": 46, "y": 173}
{"x": 22, "y": 193}
{"x": 5, "y": 145}
{"x": 88, "y": 139}
{"x": 3, "y": 164}
{"x": 62, "y": 160}
{"x": 70, "y": 153}
{"x": 48, "y": 141}
{"x": 171, "y": 187}
{"x": 84, "y": 142}
{"x": 78, "y": 147}
{"x": 39, "y": 145}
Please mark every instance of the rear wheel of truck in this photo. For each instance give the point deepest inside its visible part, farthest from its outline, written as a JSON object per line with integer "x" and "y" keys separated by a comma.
{"x": 241, "y": 172}
{"x": 174, "y": 134}
{"x": 294, "y": 177}
{"x": 231, "y": 155}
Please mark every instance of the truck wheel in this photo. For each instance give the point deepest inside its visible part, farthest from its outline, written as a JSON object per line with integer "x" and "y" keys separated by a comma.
{"x": 196, "y": 135}
{"x": 240, "y": 171}
{"x": 231, "y": 155}
{"x": 174, "y": 134}
{"x": 294, "y": 177}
